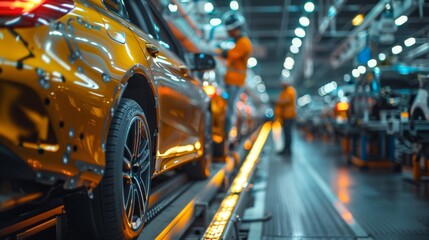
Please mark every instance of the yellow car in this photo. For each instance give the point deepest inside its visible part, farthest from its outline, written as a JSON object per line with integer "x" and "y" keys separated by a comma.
{"x": 188, "y": 36}
{"x": 96, "y": 97}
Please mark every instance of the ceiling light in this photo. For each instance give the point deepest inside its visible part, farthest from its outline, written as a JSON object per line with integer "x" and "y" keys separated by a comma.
{"x": 294, "y": 49}
{"x": 172, "y": 7}
{"x": 401, "y": 20}
{"x": 286, "y": 73}
{"x": 397, "y": 49}
{"x": 347, "y": 78}
{"x": 381, "y": 56}
{"x": 410, "y": 42}
{"x": 252, "y": 62}
{"x": 296, "y": 42}
{"x": 309, "y": 7}
{"x": 289, "y": 60}
{"x": 208, "y": 7}
{"x": 261, "y": 88}
{"x": 372, "y": 63}
{"x": 299, "y": 32}
{"x": 361, "y": 69}
{"x": 358, "y": 20}
{"x": 355, "y": 73}
{"x": 215, "y": 22}
{"x": 234, "y": 5}
{"x": 304, "y": 21}
{"x": 288, "y": 66}
{"x": 304, "y": 100}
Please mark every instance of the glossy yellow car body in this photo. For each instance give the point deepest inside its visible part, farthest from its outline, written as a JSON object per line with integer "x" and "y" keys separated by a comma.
{"x": 60, "y": 83}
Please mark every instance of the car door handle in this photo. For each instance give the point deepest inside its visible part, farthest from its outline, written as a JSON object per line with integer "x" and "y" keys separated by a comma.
{"x": 152, "y": 49}
{"x": 184, "y": 70}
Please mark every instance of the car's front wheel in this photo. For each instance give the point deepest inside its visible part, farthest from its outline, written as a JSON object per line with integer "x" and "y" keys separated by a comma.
{"x": 118, "y": 210}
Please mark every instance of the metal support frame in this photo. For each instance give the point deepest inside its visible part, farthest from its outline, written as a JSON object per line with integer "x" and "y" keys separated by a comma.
{"x": 343, "y": 53}
{"x": 204, "y": 207}
{"x": 61, "y": 226}
{"x": 418, "y": 132}
{"x": 386, "y": 156}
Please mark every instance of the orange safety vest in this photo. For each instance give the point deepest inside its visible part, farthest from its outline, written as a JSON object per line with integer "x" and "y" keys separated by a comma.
{"x": 236, "y": 62}
{"x": 285, "y": 107}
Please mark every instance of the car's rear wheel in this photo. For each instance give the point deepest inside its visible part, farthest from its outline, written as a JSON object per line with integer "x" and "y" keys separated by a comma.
{"x": 118, "y": 210}
{"x": 200, "y": 168}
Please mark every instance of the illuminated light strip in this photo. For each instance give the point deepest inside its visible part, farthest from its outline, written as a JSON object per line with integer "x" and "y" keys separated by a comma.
{"x": 242, "y": 177}
{"x": 222, "y": 216}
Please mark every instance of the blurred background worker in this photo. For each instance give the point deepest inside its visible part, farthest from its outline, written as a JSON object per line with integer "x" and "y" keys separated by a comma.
{"x": 236, "y": 62}
{"x": 286, "y": 113}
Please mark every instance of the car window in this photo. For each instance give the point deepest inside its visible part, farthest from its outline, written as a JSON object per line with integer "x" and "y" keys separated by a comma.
{"x": 137, "y": 15}
{"x": 117, "y": 7}
{"x": 164, "y": 38}
{"x": 164, "y": 35}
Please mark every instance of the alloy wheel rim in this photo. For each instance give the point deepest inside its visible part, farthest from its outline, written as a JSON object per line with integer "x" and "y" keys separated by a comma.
{"x": 136, "y": 172}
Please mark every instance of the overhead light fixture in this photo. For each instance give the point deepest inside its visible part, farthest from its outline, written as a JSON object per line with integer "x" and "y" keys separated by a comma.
{"x": 234, "y": 5}
{"x": 215, "y": 22}
{"x": 358, "y": 20}
{"x": 304, "y": 21}
{"x": 397, "y": 49}
{"x": 381, "y": 56}
{"x": 309, "y": 7}
{"x": 299, "y": 32}
{"x": 261, "y": 88}
{"x": 372, "y": 63}
{"x": 294, "y": 49}
{"x": 355, "y": 73}
{"x": 208, "y": 7}
{"x": 347, "y": 78}
{"x": 172, "y": 7}
{"x": 287, "y": 65}
{"x": 361, "y": 69}
{"x": 327, "y": 88}
{"x": 401, "y": 20}
{"x": 252, "y": 62}
{"x": 304, "y": 100}
{"x": 297, "y": 42}
{"x": 290, "y": 61}
{"x": 410, "y": 42}
{"x": 285, "y": 73}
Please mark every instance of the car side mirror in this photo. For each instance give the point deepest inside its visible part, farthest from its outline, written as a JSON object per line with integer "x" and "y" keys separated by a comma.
{"x": 202, "y": 62}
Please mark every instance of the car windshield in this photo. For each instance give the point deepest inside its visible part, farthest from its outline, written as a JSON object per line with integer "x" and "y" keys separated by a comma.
{"x": 396, "y": 80}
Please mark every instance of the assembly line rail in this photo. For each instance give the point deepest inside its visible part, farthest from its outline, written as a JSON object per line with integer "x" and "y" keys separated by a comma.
{"x": 174, "y": 204}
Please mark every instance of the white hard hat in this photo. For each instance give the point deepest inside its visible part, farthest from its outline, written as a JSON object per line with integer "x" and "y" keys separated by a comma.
{"x": 233, "y": 20}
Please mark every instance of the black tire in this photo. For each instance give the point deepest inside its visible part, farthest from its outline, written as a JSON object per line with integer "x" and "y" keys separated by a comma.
{"x": 118, "y": 209}
{"x": 200, "y": 168}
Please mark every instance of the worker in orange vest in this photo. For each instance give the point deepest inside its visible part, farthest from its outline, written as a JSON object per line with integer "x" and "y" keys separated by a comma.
{"x": 236, "y": 63}
{"x": 286, "y": 112}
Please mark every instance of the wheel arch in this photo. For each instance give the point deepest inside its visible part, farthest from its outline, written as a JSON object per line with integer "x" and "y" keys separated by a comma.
{"x": 140, "y": 88}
